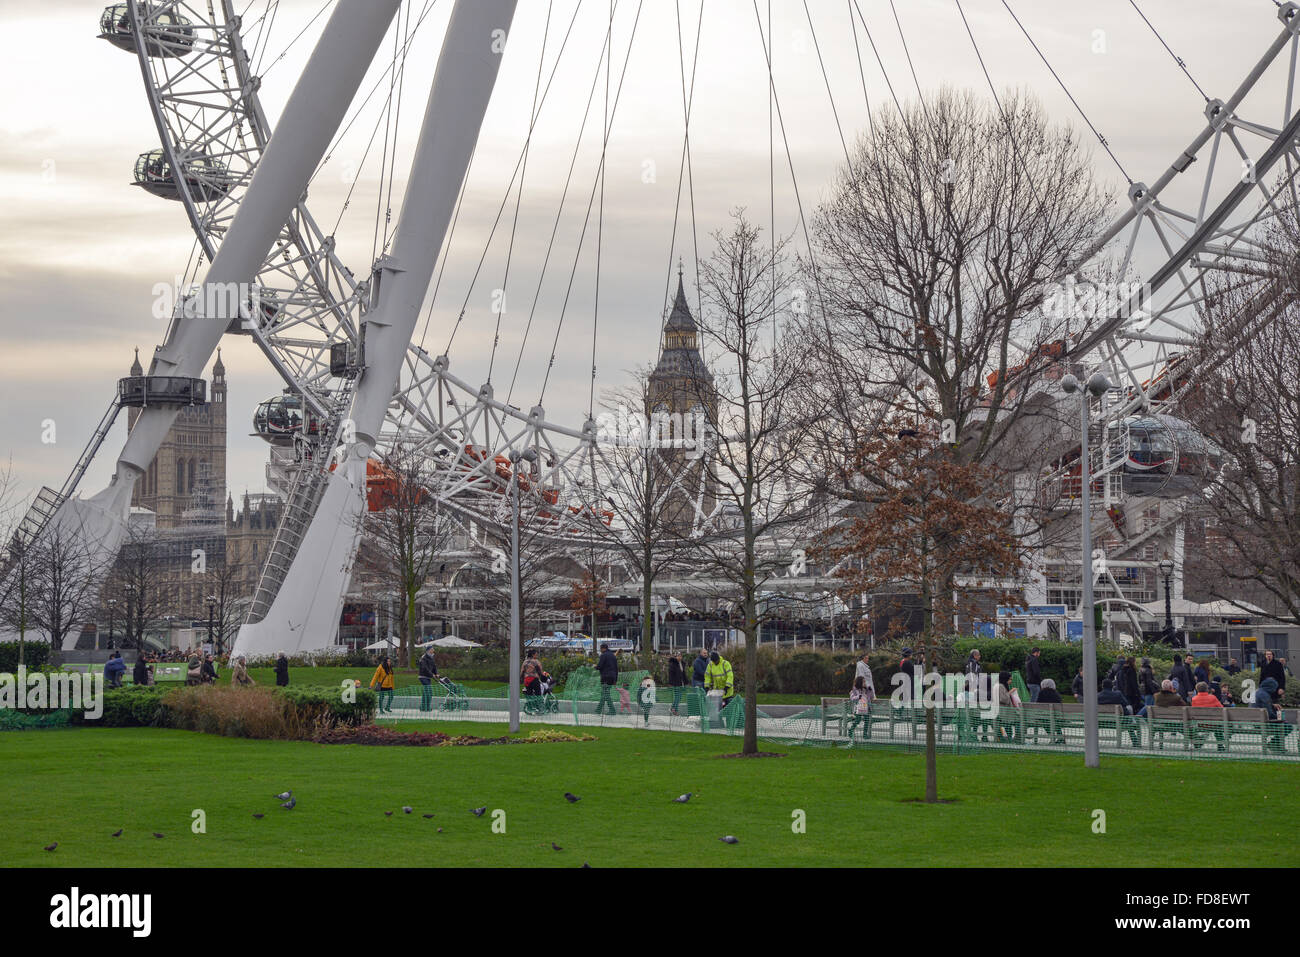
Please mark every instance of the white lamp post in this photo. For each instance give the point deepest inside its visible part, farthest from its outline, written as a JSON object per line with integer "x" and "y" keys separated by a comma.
{"x": 516, "y": 650}
{"x": 1097, "y": 386}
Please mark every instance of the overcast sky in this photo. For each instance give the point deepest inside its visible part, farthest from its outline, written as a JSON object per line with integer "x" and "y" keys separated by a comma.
{"x": 81, "y": 249}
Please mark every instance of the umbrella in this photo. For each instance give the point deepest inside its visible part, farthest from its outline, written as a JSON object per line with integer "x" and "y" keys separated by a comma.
{"x": 451, "y": 641}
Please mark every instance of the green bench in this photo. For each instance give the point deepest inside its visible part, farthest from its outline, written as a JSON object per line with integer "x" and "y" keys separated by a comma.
{"x": 1195, "y": 725}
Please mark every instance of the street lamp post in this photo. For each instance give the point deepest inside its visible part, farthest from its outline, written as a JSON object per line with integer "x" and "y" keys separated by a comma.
{"x": 212, "y": 605}
{"x": 1167, "y": 570}
{"x": 1097, "y": 386}
{"x": 130, "y": 597}
{"x": 516, "y": 651}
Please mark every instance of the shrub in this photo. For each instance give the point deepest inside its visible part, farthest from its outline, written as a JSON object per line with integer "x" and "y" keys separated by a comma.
{"x": 134, "y": 706}
{"x": 262, "y": 712}
{"x": 36, "y": 654}
{"x": 234, "y": 712}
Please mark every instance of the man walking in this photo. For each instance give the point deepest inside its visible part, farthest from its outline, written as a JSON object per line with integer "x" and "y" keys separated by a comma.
{"x": 1272, "y": 668}
{"x": 907, "y": 668}
{"x": 1033, "y": 673}
{"x": 428, "y": 675}
{"x": 720, "y": 677}
{"x": 607, "y": 665}
{"x": 699, "y": 669}
{"x": 1183, "y": 675}
{"x": 973, "y": 669}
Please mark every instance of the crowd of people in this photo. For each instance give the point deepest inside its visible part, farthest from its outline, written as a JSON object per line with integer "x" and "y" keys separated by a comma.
{"x": 200, "y": 668}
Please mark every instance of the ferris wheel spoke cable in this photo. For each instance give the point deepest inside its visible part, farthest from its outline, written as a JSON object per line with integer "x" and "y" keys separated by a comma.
{"x": 688, "y": 99}
{"x": 388, "y": 117}
{"x": 356, "y": 178}
{"x": 519, "y": 194}
{"x": 325, "y": 6}
{"x": 839, "y": 128}
{"x": 360, "y": 110}
{"x": 397, "y": 122}
{"x": 1176, "y": 58}
{"x": 600, "y": 233}
{"x": 505, "y": 199}
{"x": 1100, "y": 139}
{"x": 876, "y": 51}
{"x": 862, "y": 73}
{"x": 559, "y": 213}
{"x": 789, "y": 157}
{"x": 908, "y": 53}
{"x": 591, "y": 199}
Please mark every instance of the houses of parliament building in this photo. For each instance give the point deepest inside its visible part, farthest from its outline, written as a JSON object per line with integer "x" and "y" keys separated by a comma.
{"x": 185, "y": 527}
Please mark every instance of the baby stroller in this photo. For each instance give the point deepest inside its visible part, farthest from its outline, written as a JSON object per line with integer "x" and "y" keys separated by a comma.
{"x": 456, "y": 699}
{"x": 537, "y": 695}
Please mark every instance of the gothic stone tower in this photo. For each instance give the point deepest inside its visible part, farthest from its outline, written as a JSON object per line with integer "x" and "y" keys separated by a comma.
{"x": 192, "y": 459}
{"x": 681, "y": 394}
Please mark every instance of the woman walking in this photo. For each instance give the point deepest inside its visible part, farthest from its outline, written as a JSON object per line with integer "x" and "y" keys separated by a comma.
{"x": 1128, "y": 685}
{"x": 676, "y": 678}
{"x": 239, "y": 676}
{"x": 383, "y": 677}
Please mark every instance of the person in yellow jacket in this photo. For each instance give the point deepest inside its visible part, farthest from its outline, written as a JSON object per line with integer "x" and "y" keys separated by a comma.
{"x": 719, "y": 677}
{"x": 384, "y": 678}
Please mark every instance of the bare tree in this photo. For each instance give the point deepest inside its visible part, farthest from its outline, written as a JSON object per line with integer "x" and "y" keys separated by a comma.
{"x": 405, "y": 532}
{"x": 547, "y": 567}
{"x": 15, "y": 563}
{"x": 934, "y": 528}
{"x": 65, "y": 579}
{"x": 639, "y": 461}
{"x": 936, "y": 277}
{"x": 1246, "y": 401}
{"x": 753, "y": 431}
{"x": 139, "y": 582}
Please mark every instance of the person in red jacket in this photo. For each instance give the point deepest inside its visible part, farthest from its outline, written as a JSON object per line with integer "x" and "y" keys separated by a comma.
{"x": 1203, "y": 699}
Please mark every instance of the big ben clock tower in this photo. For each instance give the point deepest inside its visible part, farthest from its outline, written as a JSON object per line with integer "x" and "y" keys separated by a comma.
{"x": 683, "y": 405}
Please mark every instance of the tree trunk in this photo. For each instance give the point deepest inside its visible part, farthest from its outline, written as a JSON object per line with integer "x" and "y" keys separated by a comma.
{"x": 931, "y": 756}
{"x": 647, "y": 612}
{"x": 931, "y": 768}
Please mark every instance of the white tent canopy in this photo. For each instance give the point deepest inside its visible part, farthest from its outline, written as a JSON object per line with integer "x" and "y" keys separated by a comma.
{"x": 450, "y": 641}
{"x": 1182, "y": 608}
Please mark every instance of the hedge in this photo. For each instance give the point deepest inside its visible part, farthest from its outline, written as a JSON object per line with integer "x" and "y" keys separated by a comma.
{"x": 36, "y": 654}
{"x": 156, "y": 706}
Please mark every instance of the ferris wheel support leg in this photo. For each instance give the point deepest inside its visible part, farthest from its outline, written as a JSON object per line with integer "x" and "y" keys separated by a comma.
{"x": 305, "y": 612}
{"x": 311, "y": 117}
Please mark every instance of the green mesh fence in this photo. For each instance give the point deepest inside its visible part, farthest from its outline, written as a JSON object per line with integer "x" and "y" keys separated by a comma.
{"x": 1211, "y": 733}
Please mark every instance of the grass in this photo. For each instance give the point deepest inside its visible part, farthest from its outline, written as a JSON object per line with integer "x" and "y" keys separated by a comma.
{"x": 77, "y": 786}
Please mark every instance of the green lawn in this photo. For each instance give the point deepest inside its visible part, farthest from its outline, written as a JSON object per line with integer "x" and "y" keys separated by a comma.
{"x": 77, "y": 786}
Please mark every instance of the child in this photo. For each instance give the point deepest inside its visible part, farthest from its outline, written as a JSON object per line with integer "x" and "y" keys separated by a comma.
{"x": 861, "y": 700}
{"x": 646, "y": 697}
{"x": 624, "y": 700}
